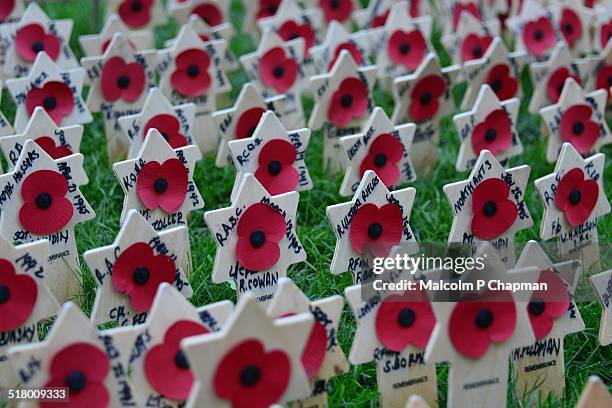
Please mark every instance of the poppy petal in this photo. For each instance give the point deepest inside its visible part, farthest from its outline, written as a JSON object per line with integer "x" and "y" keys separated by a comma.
{"x": 83, "y": 357}
{"x": 315, "y": 350}
{"x": 23, "y": 293}
{"x": 247, "y": 122}
{"x": 176, "y": 175}
{"x": 489, "y": 227}
{"x": 264, "y": 218}
{"x": 258, "y": 259}
{"x": 464, "y": 335}
{"x": 48, "y": 181}
{"x": 493, "y": 189}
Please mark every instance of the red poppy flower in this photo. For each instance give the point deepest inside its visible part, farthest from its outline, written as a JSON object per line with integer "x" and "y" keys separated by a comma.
{"x": 169, "y": 127}
{"x": 6, "y": 8}
{"x": 278, "y": 71}
{"x": 247, "y": 122}
{"x": 381, "y": 19}
{"x": 407, "y": 49}
{"x": 570, "y": 25}
{"x": 348, "y": 102}
{"x": 424, "y": 95}
{"x": 605, "y": 33}
{"x": 555, "y": 83}
{"x": 576, "y": 197}
{"x": 191, "y": 78}
{"x": 209, "y": 13}
{"x": 604, "y": 78}
{"x": 475, "y": 46}
{"x": 376, "y": 229}
{"x": 247, "y": 376}
{"x": 493, "y": 212}
{"x": 267, "y": 8}
{"x": 32, "y": 39}
{"x": 45, "y": 208}
{"x": 82, "y": 368}
{"x": 459, "y": 8}
{"x": 494, "y": 133}
{"x": 166, "y": 366}
{"x": 547, "y": 305}
{"x": 405, "y": 319}
{"x": 259, "y": 230}
{"x": 18, "y": 293}
{"x": 481, "y": 319}
{"x": 275, "y": 171}
{"x": 383, "y": 155}
{"x": 577, "y": 128}
{"x": 55, "y": 97}
{"x": 162, "y": 185}
{"x": 290, "y": 30}
{"x": 137, "y": 273}
{"x": 315, "y": 349}
{"x": 351, "y": 48}
{"x": 339, "y": 10}
{"x": 539, "y": 36}
{"x": 49, "y": 146}
{"x": 135, "y": 13}
{"x": 122, "y": 81}
{"x": 501, "y": 82}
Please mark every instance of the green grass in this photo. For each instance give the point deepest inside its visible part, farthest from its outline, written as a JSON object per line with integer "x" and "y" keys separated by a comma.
{"x": 431, "y": 220}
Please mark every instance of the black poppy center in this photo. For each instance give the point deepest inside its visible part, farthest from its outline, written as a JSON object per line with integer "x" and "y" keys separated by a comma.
{"x": 375, "y": 230}
{"x": 568, "y": 28}
{"x": 293, "y": 36}
{"x": 404, "y": 48}
{"x": 272, "y": 8}
{"x": 425, "y": 98}
{"x": 578, "y": 128}
{"x": 250, "y": 375}
{"x": 484, "y": 319}
{"x": 257, "y": 239}
{"x": 536, "y": 307}
{"x": 136, "y": 6}
{"x": 278, "y": 71}
{"x": 477, "y": 52}
{"x": 50, "y": 102}
{"x": 334, "y": 4}
{"x": 610, "y": 81}
{"x": 274, "y": 167}
{"x": 380, "y": 160}
{"x": 43, "y": 200}
{"x": 252, "y": 130}
{"x": 5, "y": 294}
{"x": 193, "y": 71}
{"x": 123, "y": 82}
{"x": 538, "y": 35}
{"x": 38, "y": 46}
{"x": 76, "y": 381}
{"x": 575, "y": 196}
{"x": 160, "y": 185}
{"x": 141, "y": 275}
{"x": 489, "y": 209}
{"x": 164, "y": 135}
{"x": 346, "y": 100}
{"x": 405, "y": 317}
{"x": 490, "y": 135}
{"x": 180, "y": 359}
{"x": 496, "y": 85}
